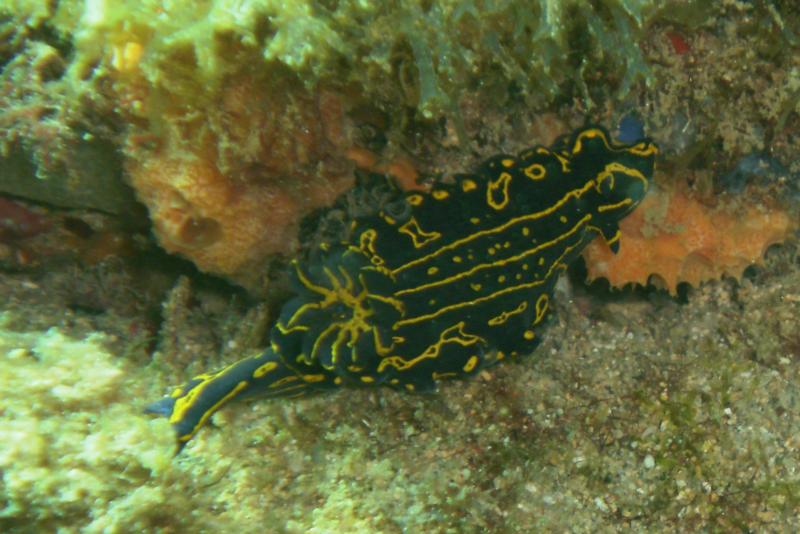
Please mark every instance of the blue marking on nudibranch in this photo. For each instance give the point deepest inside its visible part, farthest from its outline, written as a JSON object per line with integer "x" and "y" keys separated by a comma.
{"x": 631, "y": 129}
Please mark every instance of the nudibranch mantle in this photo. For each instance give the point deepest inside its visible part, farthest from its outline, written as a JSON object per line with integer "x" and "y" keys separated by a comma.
{"x": 436, "y": 284}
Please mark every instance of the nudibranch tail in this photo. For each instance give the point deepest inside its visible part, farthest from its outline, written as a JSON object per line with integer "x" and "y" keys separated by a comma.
{"x": 190, "y": 406}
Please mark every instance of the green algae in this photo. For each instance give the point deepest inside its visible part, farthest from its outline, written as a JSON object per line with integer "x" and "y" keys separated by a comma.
{"x": 433, "y": 48}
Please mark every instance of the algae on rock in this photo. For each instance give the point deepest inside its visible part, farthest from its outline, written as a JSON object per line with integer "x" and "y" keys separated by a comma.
{"x": 75, "y": 451}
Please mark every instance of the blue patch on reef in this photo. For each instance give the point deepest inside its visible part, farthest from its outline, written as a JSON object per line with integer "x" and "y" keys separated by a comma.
{"x": 749, "y": 167}
{"x": 631, "y": 129}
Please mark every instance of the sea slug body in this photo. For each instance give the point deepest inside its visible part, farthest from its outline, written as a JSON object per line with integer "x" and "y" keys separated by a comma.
{"x": 451, "y": 281}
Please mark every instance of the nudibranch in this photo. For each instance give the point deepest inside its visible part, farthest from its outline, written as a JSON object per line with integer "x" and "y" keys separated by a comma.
{"x": 437, "y": 284}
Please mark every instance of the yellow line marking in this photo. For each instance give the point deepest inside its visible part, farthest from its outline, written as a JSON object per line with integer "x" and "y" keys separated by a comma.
{"x": 575, "y": 193}
{"x": 505, "y": 291}
{"x": 453, "y": 334}
{"x": 498, "y": 263}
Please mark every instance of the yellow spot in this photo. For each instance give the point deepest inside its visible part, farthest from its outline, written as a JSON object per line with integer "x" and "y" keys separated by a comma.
{"x": 476, "y": 287}
{"x": 468, "y": 185}
{"x": 415, "y": 199}
{"x": 410, "y": 387}
{"x": 394, "y": 381}
{"x": 501, "y": 278}
{"x": 457, "y": 259}
{"x": 433, "y": 270}
{"x": 491, "y": 251}
{"x": 440, "y": 194}
{"x": 474, "y": 220}
{"x": 367, "y": 379}
{"x": 497, "y": 191}
{"x": 388, "y": 219}
{"x": 264, "y": 369}
{"x": 418, "y": 236}
{"x": 507, "y": 244}
{"x": 500, "y": 355}
{"x": 517, "y": 276}
{"x": 471, "y": 363}
{"x": 541, "y": 261}
{"x": 508, "y": 163}
{"x": 535, "y": 171}
{"x": 314, "y": 378}
{"x": 337, "y": 380}
{"x": 526, "y": 231}
{"x": 528, "y": 334}
{"x": 524, "y": 266}
{"x": 563, "y": 219}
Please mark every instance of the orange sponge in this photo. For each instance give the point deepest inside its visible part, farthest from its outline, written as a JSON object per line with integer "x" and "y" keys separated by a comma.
{"x": 224, "y": 226}
{"x": 676, "y": 238}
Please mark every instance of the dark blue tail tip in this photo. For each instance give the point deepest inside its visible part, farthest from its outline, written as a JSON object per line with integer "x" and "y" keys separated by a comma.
{"x": 161, "y": 407}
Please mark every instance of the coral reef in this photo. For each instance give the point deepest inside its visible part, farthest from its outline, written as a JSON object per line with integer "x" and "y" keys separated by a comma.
{"x": 732, "y": 88}
{"x": 674, "y": 238}
{"x": 75, "y": 453}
